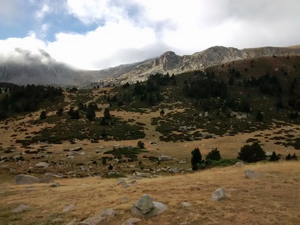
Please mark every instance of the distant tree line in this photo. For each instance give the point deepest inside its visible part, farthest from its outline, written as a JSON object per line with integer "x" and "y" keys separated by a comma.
{"x": 26, "y": 98}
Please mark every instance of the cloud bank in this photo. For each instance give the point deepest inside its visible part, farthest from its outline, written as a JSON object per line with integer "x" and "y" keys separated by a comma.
{"x": 96, "y": 34}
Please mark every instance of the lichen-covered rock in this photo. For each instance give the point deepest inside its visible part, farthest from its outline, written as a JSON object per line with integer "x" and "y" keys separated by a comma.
{"x": 218, "y": 195}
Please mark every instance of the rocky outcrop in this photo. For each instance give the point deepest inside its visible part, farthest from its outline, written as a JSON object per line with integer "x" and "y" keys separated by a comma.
{"x": 26, "y": 179}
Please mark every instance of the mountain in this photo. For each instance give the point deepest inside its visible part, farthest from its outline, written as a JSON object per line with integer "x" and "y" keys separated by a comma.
{"x": 29, "y": 68}
{"x": 171, "y": 63}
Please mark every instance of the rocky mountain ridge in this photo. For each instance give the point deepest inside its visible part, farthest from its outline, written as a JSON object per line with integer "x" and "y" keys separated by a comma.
{"x": 171, "y": 63}
{"x": 30, "y": 69}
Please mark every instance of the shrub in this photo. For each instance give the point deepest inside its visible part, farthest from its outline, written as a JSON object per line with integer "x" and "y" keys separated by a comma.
{"x": 252, "y": 153}
{"x": 141, "y": 144}
{"x": 104, "y": 161}
{"x": 274, "y": 157}
{"x": 43, "y": 115}
{"x": 214, "y": 155}
{"x": 110, "y": 167}
{"x": 196, "y": 158}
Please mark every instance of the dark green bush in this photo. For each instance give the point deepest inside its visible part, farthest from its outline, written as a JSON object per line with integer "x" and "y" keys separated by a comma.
{"x": 196, "y": 159}
{"x": 214, "y": 155}
{"x": 252, "y": 153}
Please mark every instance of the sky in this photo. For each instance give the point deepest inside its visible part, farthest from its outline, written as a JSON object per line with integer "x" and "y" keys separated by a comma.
{"x": 97, "y": 34}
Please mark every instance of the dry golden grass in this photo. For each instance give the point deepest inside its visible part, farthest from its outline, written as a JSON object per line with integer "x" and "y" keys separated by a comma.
{"x": 271, "y": 199}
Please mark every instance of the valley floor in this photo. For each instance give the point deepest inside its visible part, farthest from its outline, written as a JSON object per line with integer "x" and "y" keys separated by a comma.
{"x": 273, "y": 198}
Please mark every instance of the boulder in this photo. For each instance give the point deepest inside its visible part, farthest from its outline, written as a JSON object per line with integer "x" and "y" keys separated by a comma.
{"x": 26, "y": 179}
{"x": 21, "y": 208}
{"x": 251, "y": 174}
{"x": 218, "y": 195}
{"x": 146, "y": 208}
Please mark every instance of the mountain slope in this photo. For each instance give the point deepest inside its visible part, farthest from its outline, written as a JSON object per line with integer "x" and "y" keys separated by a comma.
{"x": 171, "y": 63}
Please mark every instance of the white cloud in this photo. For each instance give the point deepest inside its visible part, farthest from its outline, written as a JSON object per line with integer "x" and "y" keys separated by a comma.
{"x": 44, "y": 10}
{"x": 133, "y": 30}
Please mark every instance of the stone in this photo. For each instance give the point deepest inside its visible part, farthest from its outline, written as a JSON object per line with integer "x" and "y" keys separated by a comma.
{"x": 26, "y": 179}
{"x": 142, "y": 174}
{"x": 95, "y": 220}
{"x": 108, "y": 213}
{"x": 47, "y": 178}
{"x": 54, "y": 185}
{"x": 160, "y": 207}
{"x": 132, "y": 221}
{"x": 21, "y": 208}
{"x": 69, "y": 208}
{"x": 239, "y": 164}
{"x": 174, "y": 170}
{"x": 185, "y": 204}
{"x": 144, "y": 204}
{"x": 165, "y": 158}
{"x": 146, "y": 208}
{"x": 42, "y": 165}
{"x": 75, "y": 149}
{"x": 251, "y": 174}
{"x": 182, "y": 162}
{"x": 218, "y": 195}
{"x": 127, "y": 185}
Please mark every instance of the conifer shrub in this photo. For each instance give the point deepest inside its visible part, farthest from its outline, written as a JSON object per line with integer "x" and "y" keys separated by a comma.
{"x": 252, "y": 153}
{"x": 214, "y": 155}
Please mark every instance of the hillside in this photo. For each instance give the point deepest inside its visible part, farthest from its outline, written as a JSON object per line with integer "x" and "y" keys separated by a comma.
{"x": 145, "y": 132}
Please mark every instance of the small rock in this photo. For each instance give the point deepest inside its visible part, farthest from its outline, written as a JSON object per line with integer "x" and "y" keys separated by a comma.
{"x": 132, "y": 221}
{"x": 174, "y": 170}
{"x": 42, "y": 165}
{"x": 239, "y": 164}
{"x": 182, "y": 162}
{"x": 142, "y": 174}
{"x": 218, "y": 195}
{"x": 185, "y": 204}
{"x": 26, "y": 179}
{"x": 95, "y": 220}
{"x": 108, "y": 213}
{"x": 54, "y": 185}
{"x": 75, "y": 149}
{"x": 127, "y": 185}
{"x": 251, "y": 174}
{"x": 165, "y": 158}
{"x": 69, "y": 208}
{"x": 160, "y": 207}
{"x": 21, "y": 208}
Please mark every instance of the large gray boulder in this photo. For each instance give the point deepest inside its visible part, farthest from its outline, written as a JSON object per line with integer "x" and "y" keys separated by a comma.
{"x": 146, "y": 208}
{"x": 218, "y": 195}
{"x": 26, "y": 179}
{"x": 251, "y": 174}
